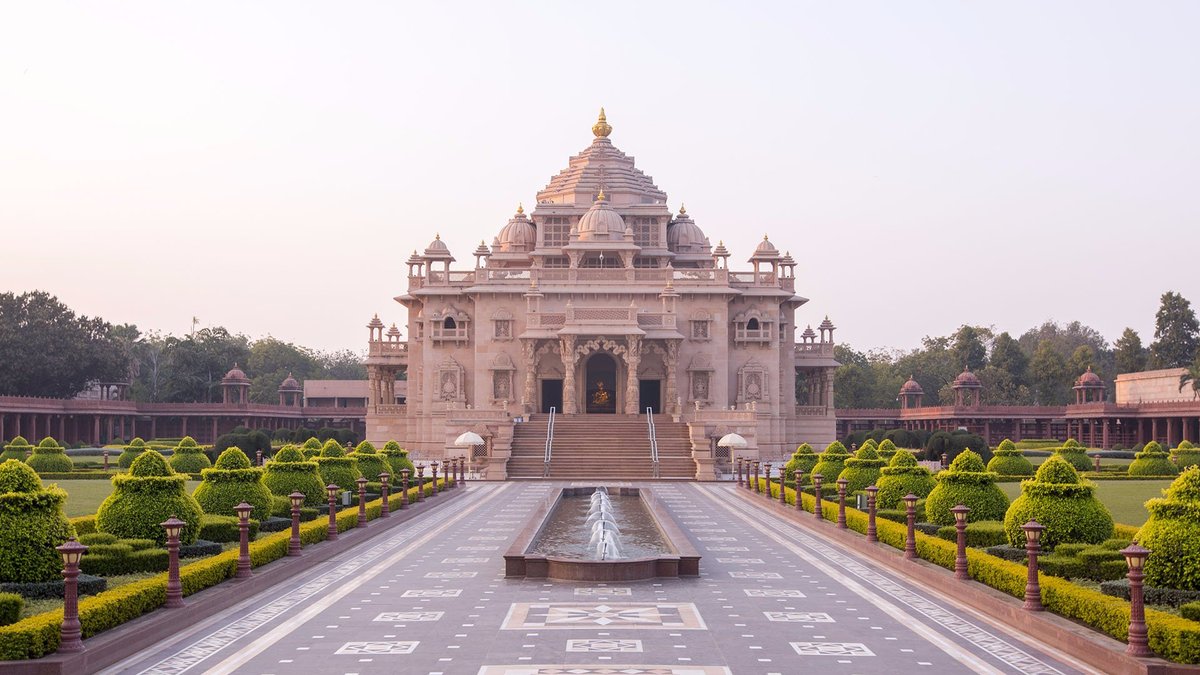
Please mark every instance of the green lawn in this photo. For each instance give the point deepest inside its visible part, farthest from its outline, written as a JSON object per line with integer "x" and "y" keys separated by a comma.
{"x": 84, "y": 496}
{"x": 1124, "y": 498}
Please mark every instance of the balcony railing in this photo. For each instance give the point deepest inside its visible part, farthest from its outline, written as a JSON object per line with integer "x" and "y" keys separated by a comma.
{"x": 592, "y": 275}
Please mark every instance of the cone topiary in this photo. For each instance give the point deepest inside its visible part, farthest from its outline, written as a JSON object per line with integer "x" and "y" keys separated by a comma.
{"x": 370, "y": 463}
{"x": 290, "y": 472}
{"x": 862, "y": 469}
{"x": 1152, "y": 461}
{"x": 311, "y": 448}
{"x": 397, "y": 458}
{"x": 803, "y": 460}
{"x": 145, "y": 497}
{"x": 131, "y": 452}
{"x": 189, "y": 457}
{"x": 966, "y": 482}
{"x": 886, "y": 449}
{"x": 832, "y": 461}
{"x": 1008, "y": 461}
{"x": 18, "y": 448}
{"x": 32, "y": 523}
{"x": 1172, "y": 533}
{"x": 336, "y": 468}
{"x": 1185, "y": 455}
{"x": 50, "y": 457}
{"x": 1062, "y": 503}
{"x": 869, "y": 443}
{"x": 1076, "y": 454}
{"x": 902, "y": 476}
{"x": 231, "y": 481}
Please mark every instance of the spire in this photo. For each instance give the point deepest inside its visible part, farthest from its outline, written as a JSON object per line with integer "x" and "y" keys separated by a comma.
{"x": 601, "y": 128}
{"x": 682, "y": 210}
{"x": 520, "y": 208}
{"x": 600, "y": 196}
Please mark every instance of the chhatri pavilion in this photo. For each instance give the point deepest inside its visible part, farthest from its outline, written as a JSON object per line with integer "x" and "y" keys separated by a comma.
{"x": 602, "y": 303}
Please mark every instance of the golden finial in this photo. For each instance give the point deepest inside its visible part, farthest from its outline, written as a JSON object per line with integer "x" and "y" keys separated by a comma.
{"x": 438, "y": 236}
{"x": 764, "y": 237}
{"x": 682, "y": 210}
{"x": 600, "y": 195}
{"x": 601, "y": 128}
{"x": 520, "y": 208}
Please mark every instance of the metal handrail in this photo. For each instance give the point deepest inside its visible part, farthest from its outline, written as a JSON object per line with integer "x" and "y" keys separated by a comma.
{"x": 653, "y": 433}
{"x": 549, "y": 444}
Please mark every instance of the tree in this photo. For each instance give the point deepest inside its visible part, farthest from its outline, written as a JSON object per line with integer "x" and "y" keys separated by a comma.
{"x": 969, "y": 349}
{"x": 1082, "y": 358}
{"x": 271, "y": 361}
{"x": 197, "y": 363}
{"x": 1048, "y": 375}
{"x": 1130, "y": 356}
{"x": 1176, "y": 333}
{"x": 1007, "y": 356}
{"x": 1192, "y": 376}
{"x": 48, "y": 350}
{"x": 345, "y": 364}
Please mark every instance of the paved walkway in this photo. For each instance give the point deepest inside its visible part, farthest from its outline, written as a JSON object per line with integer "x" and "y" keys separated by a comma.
{"x": 431, "y": 598}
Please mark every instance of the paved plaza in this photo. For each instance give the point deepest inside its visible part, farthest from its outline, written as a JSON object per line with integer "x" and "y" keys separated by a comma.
{"x": 430, "y": 597}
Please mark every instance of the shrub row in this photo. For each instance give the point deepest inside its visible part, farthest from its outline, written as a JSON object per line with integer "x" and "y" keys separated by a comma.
{"x": 38, "y": 635}
{"x": 10, "y": 608}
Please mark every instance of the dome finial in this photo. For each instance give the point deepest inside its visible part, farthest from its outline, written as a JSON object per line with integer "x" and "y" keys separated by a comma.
{"x": 601, "y": 128}
{"x": 600, "y": 195}
{"x": 682, "y": 209}
{"x": 520, "y": 208}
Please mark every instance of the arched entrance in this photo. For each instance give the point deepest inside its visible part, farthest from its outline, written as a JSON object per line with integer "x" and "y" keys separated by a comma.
{"x": 600, "y": 385}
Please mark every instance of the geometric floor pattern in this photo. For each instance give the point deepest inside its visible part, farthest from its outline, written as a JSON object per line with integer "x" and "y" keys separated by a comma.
{"x": 430, "y": 597}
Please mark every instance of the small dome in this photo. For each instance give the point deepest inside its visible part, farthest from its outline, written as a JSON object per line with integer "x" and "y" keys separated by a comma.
{"x": 518, "y": 234}
{"x": 289, "y": 384}
{"x": 600, "y": 221}
{"x": 375, "y": 322}
{"x": 911, "y": 387}
{"x": 720, "y": 251}
{"x": 765, "y": 250}
{"x": 438, "y": 249}
{"x": 966, "y": 379}
{"x": 683, "y": 235}
{"x": 393, "y": 332}
{"x": 481, "y": 250}
{"x": 414, "y": 259}
{"x": 235, "y": 374}
{"x": 1089, "y": 379}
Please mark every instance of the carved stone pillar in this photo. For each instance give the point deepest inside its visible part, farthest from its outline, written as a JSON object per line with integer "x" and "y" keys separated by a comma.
{"x": 569, "y": 357}
{"x": 373, "y": 386}
{"x": 529, "y": 350}
{"x": 672, "y": 364}
{"x": 633, "y": 358}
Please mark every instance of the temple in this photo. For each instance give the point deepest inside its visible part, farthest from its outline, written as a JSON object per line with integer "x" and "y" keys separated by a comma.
{"x": 602, "y": 302}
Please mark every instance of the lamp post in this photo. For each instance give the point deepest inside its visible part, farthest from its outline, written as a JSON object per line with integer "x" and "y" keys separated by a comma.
{"x": 1096, "y": 463}
{"x": 757, "y": 486}
{"x": 1135, "y": 557}
{"x": 817, "y": 493}
{"x": 841, "y": 490}
{"x": 433, "y": 467}
{"x": 767, "y": 474}
{"x": 910, "y": 539}
{"x": 71, "y": 635}
{"x": 403, "y": 488}
{"x": 362, "y": 502}
{"x": 739, "y": 472}
{"x": 332, "y": 489}
{"x": 294, "y": 544}
{"x": 259, "y": 457}
{"x": 462, "y": 468}
{"x": 783, "y": 484}
{"x": 799, "y": 476}
{"x": 1033, "y": 591}
{"x": 420, "y": 482}
{"x": 872, "y": 533}
{"x": 960, "y": 526}
{"x": 173, "y": 526}
{"x": 106, "y": 460}
{"x": 243, "y": 565}
{"x": 384, "y": 510}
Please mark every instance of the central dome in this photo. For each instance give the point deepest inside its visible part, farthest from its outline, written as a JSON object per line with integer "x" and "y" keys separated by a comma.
{"x": 600, "y": 221}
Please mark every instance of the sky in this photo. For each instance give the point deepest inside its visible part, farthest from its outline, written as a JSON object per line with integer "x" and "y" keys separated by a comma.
{"x": 268, "y": 166}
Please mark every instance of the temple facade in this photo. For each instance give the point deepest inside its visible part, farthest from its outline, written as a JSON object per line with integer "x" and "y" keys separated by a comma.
{"x": 602, "y": 301}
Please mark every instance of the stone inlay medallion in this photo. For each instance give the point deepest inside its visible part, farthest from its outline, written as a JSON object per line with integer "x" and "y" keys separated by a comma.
{"x": 774, "y": 593}
{"x": 403, "y": 617}
{"x": 604, "y": 645}
{"x": 590, "y": 615}
{"x": 378, "y": 648}
{"x": 799, "y": 617}
{"x": 831, "y": 649}
{"x": 604, "y": 590}
{"x": 755, "y": 575}
{"x": 432, "y": 593}
{"x": 450, "y": 575}
{"x": 572, "y": 669}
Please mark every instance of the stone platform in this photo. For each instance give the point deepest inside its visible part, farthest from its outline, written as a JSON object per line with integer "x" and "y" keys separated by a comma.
{"x": 431, "y": 597}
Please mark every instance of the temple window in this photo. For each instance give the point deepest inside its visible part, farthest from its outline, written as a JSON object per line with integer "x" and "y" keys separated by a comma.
{"x": 448, "y": 324}
{"x": 700, "y": 329}
{"x": 645, "y": 231}
{"x": 556, "y": 231}
{"x": 503, "y": 329}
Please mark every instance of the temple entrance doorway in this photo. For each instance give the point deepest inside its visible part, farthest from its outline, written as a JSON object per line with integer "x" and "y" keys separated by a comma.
{"x": 650, "y": 395}
{"x": 600, "y": 384}
{"x": 552, "y": 395}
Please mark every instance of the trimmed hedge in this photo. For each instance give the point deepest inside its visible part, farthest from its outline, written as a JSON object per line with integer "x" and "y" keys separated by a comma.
{"x": 37, "y": 636}
{"x": 45, "y": 590}
{"x": 146, "y": 497}
{"x": 11, "y": 605}
{"x": 803, "y": 460}
{"x": 981, "y": 534}
{"x": 50, "y": 457}
{"x": 1172, "y": 533}
{"x": 1066, "y": 506}
{"x": 117, "y": 559}
{"x": 224, "y": 529}
{"x": 189, "y": 457}
{"x": 370, "y": 463}
{"x": 18, "y": 448}
{"x": 862, "y": 470}
{"x": 336, "y": 468}
{"x": 311, "y": 448}
{"x": 1190, "y": 610}
{"x": 131, "y": 452}
{"x": 1008, "y": 461}
{"x": 289, "y": 472}
{"x": 1185, "y": 454}
{"x": 32, "y": 523}
{"x": 901, "y": 477}
{"x": 231, "y": 481}
{"x": 831, "y": 462}
{"x": 1153, "y": 461}
{"x": 397, "y": 458}
{"x": 966, "y": 482}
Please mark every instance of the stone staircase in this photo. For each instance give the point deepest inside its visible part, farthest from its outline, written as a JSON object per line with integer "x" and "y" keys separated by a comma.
{"x": 603, "y": 447}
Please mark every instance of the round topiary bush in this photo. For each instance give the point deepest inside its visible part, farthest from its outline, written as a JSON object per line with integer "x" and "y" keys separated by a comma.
{"x": 886, "y": 450}
{"x": 32, "y": 523}
{"x": 18, "y": 448}
{"x": 50, "y": 457}
{"x": 901, "y": 477}
{"x": 1152, "y": 461}
{"x": 311, "y": 448}
{"x": 1008, "y": 461}
{"x": 803, "y": 460}
{"x": 966, "y": 482}
{"x": 231, "y": 481}
{"x": 1075, "y": 454}
{"x": 862, "y": 469}
{"x": 1185, "y": 455}
{"x": 869, "y": 443}
{"x": 831, "y": 462}
{"x": 144, "y": 498}
{"x": 131, "y": 452}
{"x": 336, "y": 468}
{"x": 1062, "y": 503}
{"x": 189, "y": 457}
{"x": 1172, "y": 533}
{"x": 370, "y": 463}
{"x": 397, "y": 459}
{"x": 289, "y": 472}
